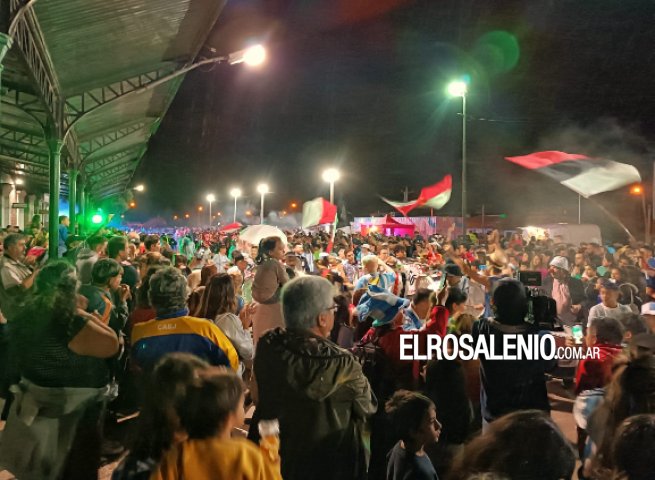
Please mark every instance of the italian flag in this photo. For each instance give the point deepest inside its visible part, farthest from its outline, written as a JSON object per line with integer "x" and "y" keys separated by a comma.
{"x": 584, "y": 175}
{"x": 435, "y": 196}
{"x": 318, "y": 212}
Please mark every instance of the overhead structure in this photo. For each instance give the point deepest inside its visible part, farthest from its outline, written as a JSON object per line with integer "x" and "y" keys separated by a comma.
{"x": 85, "y": 85}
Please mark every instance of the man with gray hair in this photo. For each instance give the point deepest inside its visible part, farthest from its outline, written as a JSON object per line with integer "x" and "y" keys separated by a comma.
{"x": 316, "y": 389}
{"x": 174, "y": 330}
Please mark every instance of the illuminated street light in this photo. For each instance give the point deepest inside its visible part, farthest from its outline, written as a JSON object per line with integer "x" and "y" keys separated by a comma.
{"x": 140, "y": 188}
{"x": 211, "y": 198}
{"x": 132, "y": 204}
{"x": 457, "y": 89}
{"x": 294, "y": 205}
{"x": 262, "y": 188}
{"x": 331, "y": 175}
{"x": 236, "y": 193}
{"x": 251, "y": 56}
{"x": 638, "y": 191}
{"x": 175, "y": 217}
{"x": 460, "y": 89}
{"x": 186, "y": 215}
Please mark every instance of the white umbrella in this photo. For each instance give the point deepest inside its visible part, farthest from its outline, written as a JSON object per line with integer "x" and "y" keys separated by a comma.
{"x": 255, "y": 233}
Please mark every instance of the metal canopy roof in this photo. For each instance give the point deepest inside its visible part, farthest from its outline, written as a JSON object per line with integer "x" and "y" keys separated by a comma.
{"x": 80, "y": 69}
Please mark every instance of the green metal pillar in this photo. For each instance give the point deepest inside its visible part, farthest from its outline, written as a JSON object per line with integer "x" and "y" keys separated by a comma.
{"x": 54, "y": 147}
{"x": 72, "y": 198}
{"x": 82, "y": 203}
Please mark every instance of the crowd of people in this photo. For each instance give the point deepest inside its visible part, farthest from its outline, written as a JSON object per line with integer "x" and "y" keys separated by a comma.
{"x": 194, "y": 329}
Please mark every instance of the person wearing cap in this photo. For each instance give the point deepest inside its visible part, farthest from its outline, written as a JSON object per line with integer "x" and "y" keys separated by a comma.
{"x": 386, "y": 311}
{"x": 567, "y": 291}
{"x": 648, "y": 312}
{"x": 609, "y": 306}
{"x": 316, "y": 389}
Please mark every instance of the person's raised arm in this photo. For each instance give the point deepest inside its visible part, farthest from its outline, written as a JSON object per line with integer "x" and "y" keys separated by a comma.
{"x": 470, "y": 272}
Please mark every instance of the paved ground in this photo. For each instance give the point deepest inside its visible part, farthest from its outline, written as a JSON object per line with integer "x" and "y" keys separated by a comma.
{"x": 561, "y": 400}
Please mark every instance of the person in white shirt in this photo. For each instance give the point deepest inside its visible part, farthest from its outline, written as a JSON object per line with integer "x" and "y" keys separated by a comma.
{"x": 220, "y": 259}
{"x": 609, "y": 306}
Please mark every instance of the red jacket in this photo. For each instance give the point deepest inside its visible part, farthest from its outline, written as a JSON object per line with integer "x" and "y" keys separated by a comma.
{"x": 596, "y": 373}
{"x": 438, "y": 322}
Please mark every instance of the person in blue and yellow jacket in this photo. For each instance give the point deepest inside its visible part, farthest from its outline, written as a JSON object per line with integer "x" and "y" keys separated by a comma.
{"x": 173, "y": 330}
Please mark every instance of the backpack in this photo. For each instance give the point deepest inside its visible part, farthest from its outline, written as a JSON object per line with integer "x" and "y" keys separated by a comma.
{"x": 377, "y": 368}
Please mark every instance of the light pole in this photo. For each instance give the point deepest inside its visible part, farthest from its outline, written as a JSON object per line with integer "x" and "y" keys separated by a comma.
{"x": 459, "y": 89}
{"x": 638, "y": 190}
{"x": 262, "y": 188}
{"x": 331, "y": 175}
{"x": 211, "y": 198}
{"x": 236, "y": 193}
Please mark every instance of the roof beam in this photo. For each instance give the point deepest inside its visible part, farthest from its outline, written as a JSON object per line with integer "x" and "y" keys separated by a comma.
{"x": 29, "y": 38}
{"x": 77, "y": 106}
{"x": 107, "y": 138}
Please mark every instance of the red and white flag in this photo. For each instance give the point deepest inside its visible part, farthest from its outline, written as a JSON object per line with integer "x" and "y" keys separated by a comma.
{"x": 585, "y": 176}
{"x": 318, "y": 212}
{"x": 435, "y": 196}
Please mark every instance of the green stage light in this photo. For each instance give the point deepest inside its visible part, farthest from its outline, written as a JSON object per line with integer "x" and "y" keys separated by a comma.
{"x": 97, "y": 218}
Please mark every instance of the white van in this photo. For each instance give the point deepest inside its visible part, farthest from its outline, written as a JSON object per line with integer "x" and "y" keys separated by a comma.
{"x": 564, "y": 233}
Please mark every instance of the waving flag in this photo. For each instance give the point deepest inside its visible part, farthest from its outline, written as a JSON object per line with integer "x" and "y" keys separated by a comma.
{"x": 435, "y": 196}
{"x": 318, "y": 212}
{"x": 585, "y": 176}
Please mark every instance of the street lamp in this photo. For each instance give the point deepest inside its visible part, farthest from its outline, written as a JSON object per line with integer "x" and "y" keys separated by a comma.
{"x": 638, "y": 191}
{"x": 236, "y": 193}
{"x": 460, "y": 89}
{"x": 211, "y": 198}
{"x": 262, "y": 188}
{"x": 331, "y": 175}
{"x": 140, "y": 188}
{"x": 252, "y": 56}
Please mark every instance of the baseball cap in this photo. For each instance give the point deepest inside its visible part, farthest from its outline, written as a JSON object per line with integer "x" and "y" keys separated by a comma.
{"x": 648, "y": 308}
{"x": 609, "y": 284}
{"x": 453, "y": 270}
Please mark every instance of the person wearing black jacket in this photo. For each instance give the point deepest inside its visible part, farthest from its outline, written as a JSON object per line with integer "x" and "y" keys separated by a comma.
{"x": 510, "y": 385}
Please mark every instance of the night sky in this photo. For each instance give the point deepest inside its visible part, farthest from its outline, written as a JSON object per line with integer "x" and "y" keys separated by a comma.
{"x": 361, "y": 84}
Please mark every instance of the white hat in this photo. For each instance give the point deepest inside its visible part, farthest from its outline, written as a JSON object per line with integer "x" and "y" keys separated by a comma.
{"x": 560, "y": 262}
{"x": 648, "y": 308}
{"x": 367, "y": 246}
